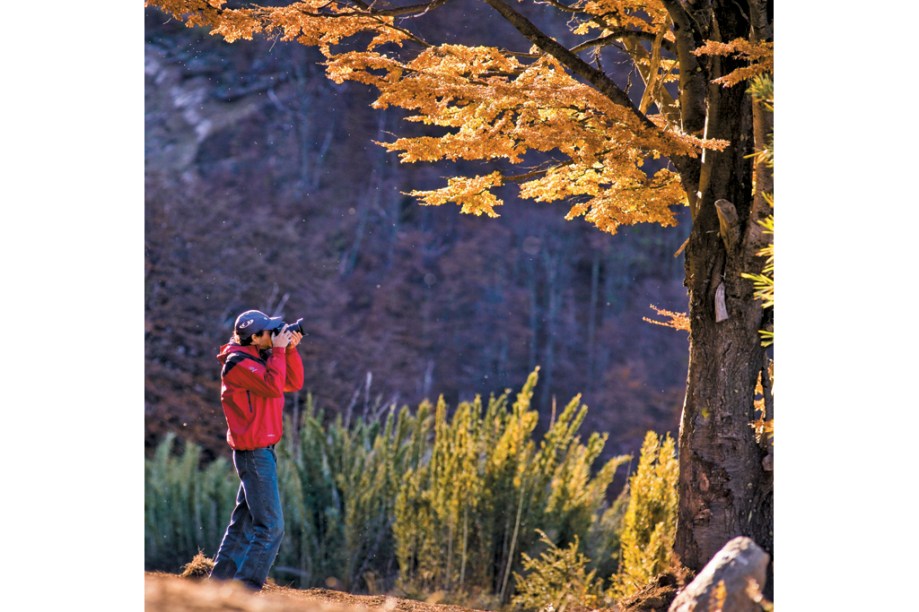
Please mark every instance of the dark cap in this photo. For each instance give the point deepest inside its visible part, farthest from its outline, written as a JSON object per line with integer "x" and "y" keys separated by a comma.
{"x": 255, "y": 321}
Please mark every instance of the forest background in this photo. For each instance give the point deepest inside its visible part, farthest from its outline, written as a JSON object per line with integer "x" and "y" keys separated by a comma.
{"x": 84, "y": 210}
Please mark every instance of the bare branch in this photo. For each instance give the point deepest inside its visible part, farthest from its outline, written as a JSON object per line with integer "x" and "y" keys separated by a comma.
{"x": 517, "y": 178}
{"x": 622, "y": 33}
{"x": 560, "y": 6}
{"x": 414, "y": 10}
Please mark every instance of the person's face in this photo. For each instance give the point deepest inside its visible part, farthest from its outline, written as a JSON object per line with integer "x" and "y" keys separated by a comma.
{"x": 262, "y": 340}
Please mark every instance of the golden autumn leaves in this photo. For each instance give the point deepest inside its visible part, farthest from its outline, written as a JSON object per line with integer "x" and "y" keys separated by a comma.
{"x": 310, "y": 22}
{"x": 499, "y": 105}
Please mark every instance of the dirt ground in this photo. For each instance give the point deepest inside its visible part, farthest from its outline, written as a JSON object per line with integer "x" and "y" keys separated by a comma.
{"x": 172, "y": 593}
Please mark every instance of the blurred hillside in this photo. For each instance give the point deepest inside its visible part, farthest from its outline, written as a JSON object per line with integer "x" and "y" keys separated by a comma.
{"x": 264, "y": 190}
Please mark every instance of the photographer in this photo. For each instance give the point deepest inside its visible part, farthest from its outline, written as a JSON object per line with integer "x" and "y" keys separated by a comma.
{"x": 260, "y": 363}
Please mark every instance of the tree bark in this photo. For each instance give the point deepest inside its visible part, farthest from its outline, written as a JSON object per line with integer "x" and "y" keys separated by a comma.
{"x": 724, "y": 490}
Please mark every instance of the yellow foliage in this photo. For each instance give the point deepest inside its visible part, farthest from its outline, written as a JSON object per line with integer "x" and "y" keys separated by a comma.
{"x": 763, "y": 428}
{"x": 473, "y": 503}
{"x": 310, "y": 22}
{"x": 764, "y": 283}
{"x": 678, "y": 320}
{"x": 495, "y": 104}
{"x": 649, "y": 527}
{"x": 759, "y": 54}
{"x": 761, "y": 89}
{"x": 557, "y": 578}
{"x": 641, "y": 15}
{"x": 500, "y": 105}
{"x": 472, "y": 193}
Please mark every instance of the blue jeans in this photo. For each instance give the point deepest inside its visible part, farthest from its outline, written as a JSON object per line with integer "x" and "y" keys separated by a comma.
{"x": 253, "y": 537}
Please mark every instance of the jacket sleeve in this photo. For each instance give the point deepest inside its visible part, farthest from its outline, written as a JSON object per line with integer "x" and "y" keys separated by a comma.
{"x": 294, "y": 380}
{"x": 265, "y": 381}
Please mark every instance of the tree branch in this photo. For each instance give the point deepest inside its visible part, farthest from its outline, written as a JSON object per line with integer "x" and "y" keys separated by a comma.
{"x": 598, "y": 79}
{"x": 693, "y": 77}
{"x": 516, "y": 178}
{"x": 413, "y": 10}
{"x": 622, "y": 33}
{"x": 364, "y": 10}
{"x": 560, "y": 6}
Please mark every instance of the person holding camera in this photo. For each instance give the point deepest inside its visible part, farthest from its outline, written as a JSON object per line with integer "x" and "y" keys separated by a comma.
{"x": 260, "y": 363}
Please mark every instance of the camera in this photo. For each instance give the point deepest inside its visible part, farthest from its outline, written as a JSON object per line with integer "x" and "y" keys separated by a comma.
{"x": 296, "y": 326}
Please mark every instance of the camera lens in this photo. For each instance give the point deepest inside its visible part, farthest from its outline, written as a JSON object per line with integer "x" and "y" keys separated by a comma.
{"x": 296, "y": 326}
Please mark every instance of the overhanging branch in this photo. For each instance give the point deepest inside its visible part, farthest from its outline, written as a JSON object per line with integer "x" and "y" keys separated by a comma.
{"x": 622, "y": 33}
{"x": 598, "y": 79}
{"x": 413, "y": 10}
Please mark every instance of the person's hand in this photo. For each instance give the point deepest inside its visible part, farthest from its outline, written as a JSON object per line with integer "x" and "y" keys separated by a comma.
{"x": 282, "y": 338}
{"x": 295, "y": 338}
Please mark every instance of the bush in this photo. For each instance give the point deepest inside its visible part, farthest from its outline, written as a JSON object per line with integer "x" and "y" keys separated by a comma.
{"x": 338, "y": 485}
{"x": 649, "y": 525}
{"x": 465, "y": 515}
{"x": 559, "y": 577}
{"x": 186, "y": 508}
{"x": 421, "y": 500}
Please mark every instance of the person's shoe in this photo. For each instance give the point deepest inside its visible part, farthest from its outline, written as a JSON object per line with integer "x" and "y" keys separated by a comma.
{"x": 250, "y": 585}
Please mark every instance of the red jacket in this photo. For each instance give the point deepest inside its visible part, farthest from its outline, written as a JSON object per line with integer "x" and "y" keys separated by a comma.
{"x": 252, "y": 392}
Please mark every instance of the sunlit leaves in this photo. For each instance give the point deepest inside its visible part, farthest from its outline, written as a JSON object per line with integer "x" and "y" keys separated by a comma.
{"x": 311, "y": 22}
{"x": 558, "y": 577}
{"x": 764, "y": 283}
{"x": 759, "y": 56}
{"x": 471, "y": 193}
{"x": 499, "y": 108}
{"x": 649, "y": 527}
{"x": 640, "y": 15}
{"x": 675, "y": 320}
{"x": 495, "y": 105}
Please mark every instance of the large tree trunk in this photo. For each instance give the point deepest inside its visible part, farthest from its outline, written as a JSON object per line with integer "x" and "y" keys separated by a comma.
{"x": 724, "y": 490}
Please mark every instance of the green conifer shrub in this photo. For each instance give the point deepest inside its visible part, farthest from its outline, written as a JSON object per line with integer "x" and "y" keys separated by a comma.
{"x": 429, "y": 501}
{"x": 186, "y": 507}
{"x": 338, "y": 486}
{"x": 558, "y": 577}
{"x": 465, "y": 515}
{"x": 649, "y": 525}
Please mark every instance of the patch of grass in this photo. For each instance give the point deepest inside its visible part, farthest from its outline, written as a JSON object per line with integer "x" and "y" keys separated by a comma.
{"x": 199, "y": 567}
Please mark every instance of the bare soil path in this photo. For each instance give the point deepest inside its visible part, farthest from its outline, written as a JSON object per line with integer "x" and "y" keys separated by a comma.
{"x": 165, "y": 592}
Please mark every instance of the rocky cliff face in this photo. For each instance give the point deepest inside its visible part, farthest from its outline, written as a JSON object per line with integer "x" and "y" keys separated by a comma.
{"x": 264, "y": 190}
{"x": 183, "y": 112}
